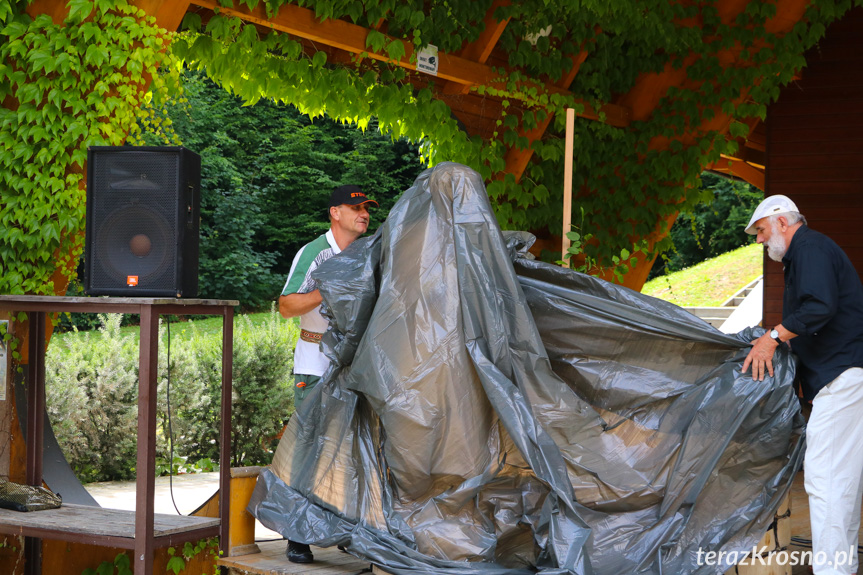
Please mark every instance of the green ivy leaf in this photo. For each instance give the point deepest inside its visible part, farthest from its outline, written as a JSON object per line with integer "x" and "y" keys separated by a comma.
{"x": 96, "y": 55}
{"x": 396, "y": 50}
{"x": 319, "y": 59}
{"x": 738, "y": 129}
{"x": 121, "y": 561}
{"x": 219, "y": 27}
{"x": 176, "y": 564}
{"x": 79, "y": 10}
{"x": 104, "y": 6}
{"x": 375, "y": 40}
{"x": 41, "y": 60}
{"x": 191, "y": 22}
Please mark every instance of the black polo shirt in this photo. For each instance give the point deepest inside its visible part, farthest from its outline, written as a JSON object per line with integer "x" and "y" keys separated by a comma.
{"x": 823, "y": 305}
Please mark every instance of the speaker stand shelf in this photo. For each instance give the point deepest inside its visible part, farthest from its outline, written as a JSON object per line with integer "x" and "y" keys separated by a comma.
{"x": 142, "y": 526}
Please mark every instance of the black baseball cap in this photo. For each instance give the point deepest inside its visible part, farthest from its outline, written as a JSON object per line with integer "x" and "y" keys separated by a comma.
{"x": 351, "y": 195}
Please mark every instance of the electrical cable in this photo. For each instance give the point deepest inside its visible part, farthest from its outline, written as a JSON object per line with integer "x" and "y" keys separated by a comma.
{"x": 270, "y": 540}
{"x": 170, "y": 430}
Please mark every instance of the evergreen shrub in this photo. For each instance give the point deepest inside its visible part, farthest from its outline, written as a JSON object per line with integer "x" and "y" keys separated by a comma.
{"x": 92, "y": 391}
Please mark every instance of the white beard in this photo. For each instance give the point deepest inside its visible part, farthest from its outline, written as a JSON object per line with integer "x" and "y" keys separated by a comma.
{"x": 776, "y": 247}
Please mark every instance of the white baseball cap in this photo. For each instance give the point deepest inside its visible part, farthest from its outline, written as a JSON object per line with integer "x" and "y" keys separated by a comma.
{"x": 771, "y": 206}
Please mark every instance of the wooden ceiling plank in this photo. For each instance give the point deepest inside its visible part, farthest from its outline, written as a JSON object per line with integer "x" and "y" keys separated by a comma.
{"x": 303, "y": 23}
{"x": 756, "y": 144}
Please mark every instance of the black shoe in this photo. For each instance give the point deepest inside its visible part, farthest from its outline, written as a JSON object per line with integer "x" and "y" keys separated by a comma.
{"x": 299, "y": 553}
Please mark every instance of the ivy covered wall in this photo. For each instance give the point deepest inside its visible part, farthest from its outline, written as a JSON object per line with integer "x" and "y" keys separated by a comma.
{"x": 64, "y": 86}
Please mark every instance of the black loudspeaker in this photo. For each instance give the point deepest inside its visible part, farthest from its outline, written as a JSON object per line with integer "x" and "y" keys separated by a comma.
{"x": 143, "y": 214}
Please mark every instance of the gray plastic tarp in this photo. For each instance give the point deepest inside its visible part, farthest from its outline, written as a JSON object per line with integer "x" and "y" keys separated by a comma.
{"x": 487, "y": 413}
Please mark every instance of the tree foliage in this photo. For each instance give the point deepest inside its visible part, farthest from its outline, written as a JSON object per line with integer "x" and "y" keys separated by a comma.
{"x": 714, "y": 227}
{"x": 267, "y": 174}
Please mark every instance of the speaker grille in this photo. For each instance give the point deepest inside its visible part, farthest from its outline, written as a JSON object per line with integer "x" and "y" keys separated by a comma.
{"x": 136, "y": 213}
{"x": 117, "y": 260}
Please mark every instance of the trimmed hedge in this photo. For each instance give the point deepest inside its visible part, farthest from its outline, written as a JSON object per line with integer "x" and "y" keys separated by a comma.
{"x": 92, "y": 384}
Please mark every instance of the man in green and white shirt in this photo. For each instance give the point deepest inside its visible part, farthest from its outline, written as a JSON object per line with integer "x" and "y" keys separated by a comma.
{"x": 349, "y": 219}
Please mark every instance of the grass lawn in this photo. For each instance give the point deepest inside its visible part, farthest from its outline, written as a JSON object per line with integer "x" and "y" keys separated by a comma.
{"x": 202, "y": 326}
{"x": 711, "y": 282}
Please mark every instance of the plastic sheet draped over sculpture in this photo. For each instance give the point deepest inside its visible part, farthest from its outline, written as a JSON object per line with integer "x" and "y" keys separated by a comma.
{"x": 486, "y": 413}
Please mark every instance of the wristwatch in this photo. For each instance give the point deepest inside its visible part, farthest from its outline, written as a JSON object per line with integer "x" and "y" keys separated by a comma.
{"x": 775, "y": 335}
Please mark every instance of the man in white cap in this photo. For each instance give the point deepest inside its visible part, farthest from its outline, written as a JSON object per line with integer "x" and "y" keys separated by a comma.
{"x": 349, "y": 219}
{"x": 822, "y": 318}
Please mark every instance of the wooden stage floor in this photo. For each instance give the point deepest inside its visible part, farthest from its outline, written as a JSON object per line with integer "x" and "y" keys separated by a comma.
{"x": 271, "y": 560}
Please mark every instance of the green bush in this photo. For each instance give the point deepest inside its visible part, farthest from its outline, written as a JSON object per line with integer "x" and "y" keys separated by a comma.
{"x": 92, "y": 383}
{"x": 91, "y": 391}
{"x": 262, "y": 391}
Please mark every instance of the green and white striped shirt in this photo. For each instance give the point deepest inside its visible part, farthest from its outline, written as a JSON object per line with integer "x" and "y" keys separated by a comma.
{"x": 308, "y": 359}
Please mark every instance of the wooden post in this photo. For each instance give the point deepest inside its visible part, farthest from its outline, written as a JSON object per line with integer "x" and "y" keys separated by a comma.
{"x": 146, "y": 470}
{"x": 242, "y": 536}
{"x": 225, "y": 432}
{"x": 567, "y": 182}
{"x": 6, "y": 391}
{"x": 35, "y": 427}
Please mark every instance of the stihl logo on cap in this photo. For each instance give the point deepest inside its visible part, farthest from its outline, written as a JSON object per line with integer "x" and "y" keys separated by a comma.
{"x": 358, "y": 195}
{"x": 131, "y": 281}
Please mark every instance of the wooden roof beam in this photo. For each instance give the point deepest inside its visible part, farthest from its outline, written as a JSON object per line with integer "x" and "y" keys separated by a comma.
{"x": 334, "y": 55}
{"x": 303, "y": 23}
{"x": 480, "y": 50}
{"x": 517, "y": 159}
{"x": 739, "y": 168}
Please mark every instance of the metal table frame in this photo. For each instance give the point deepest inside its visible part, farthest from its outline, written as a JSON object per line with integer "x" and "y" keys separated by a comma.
{"x": 149, "y": 309}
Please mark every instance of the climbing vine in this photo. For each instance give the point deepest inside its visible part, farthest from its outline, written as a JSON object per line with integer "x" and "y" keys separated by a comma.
{"x": 178, "y": 562}
{"x": 658, "y": 160}
{"x": 82, "y": 82}
{"x": 205, "y": 550}
{"x": 65, "y": 87}
{"x": 121, "y": 565}
{"x": 626, "y": 178}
